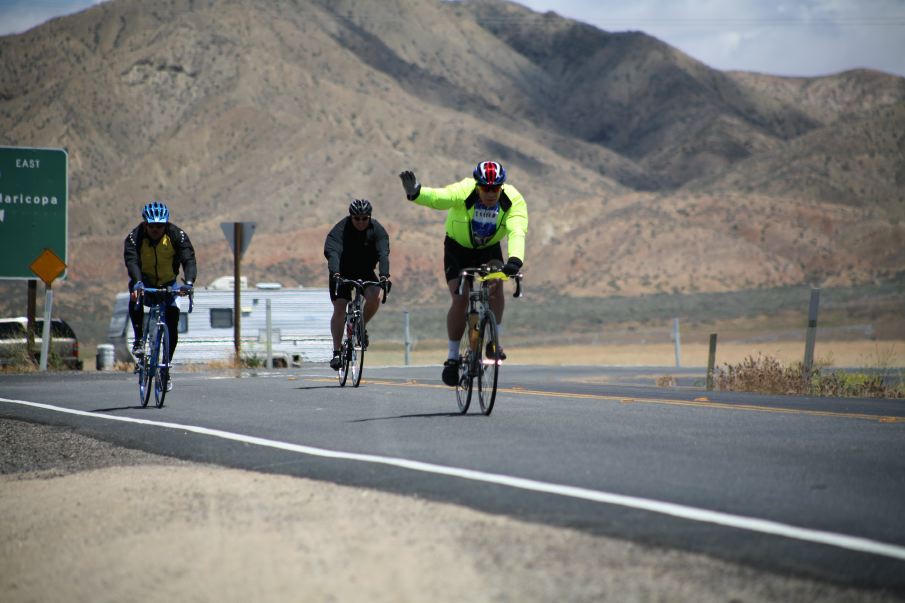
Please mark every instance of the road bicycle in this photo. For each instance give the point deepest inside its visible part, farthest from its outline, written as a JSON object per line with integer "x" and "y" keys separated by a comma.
{"x": 478, "y": 349}
{"x": 352, "y": 350}
{"x": 153, "y": 368}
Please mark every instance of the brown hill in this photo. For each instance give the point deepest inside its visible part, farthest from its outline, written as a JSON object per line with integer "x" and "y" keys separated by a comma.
{"x": 281, "y": 113}
{"x": 857, "y": 160}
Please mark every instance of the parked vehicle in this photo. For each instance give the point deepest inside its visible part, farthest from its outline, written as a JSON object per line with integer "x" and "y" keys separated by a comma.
{"x": 300, "y": 325}
{"x": 64, "y": 345}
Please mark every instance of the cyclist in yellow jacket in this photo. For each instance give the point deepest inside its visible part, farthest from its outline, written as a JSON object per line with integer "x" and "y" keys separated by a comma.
{"x": 153, "y": 253}
{"x": 481, "y": 212}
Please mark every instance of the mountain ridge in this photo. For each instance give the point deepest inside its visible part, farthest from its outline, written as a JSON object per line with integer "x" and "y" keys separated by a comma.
{"x": 644, "y": 170}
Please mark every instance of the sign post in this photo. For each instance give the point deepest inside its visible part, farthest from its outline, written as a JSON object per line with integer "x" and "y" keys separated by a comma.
{"x": 238, "y": 235}
{"x": 48, "y": 266}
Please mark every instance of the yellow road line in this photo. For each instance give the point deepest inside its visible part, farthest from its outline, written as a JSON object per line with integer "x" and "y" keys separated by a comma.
{"x": 698, "y": 402}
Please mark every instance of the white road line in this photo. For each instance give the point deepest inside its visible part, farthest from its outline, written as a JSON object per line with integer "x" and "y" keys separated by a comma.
{"x": 764, "y": 526}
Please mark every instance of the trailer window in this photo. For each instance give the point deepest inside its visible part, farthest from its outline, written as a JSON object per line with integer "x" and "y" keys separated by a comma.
{"x": 221, "y": 318}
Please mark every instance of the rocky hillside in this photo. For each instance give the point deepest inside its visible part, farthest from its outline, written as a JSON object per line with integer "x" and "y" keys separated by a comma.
{"x": 645, "y": 171}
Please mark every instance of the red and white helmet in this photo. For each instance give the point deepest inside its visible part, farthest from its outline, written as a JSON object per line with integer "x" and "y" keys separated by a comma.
{"x": 490, "y": 173}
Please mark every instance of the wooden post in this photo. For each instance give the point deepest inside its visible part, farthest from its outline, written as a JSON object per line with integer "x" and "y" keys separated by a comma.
{"x": 811, "y": 335}
{"x": 678, "y": 344}
{"x": 237, "y": 291}
{"x": 711, "y": 360}
{"x": 31, "y": 308}
{"x": 407, "y": 342}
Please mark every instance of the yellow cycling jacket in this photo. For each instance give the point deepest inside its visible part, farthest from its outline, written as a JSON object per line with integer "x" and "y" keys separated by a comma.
{"x": 460, "y": 199}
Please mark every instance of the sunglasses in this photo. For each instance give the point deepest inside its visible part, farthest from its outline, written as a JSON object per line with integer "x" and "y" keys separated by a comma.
{"x": 361, "y": 218}
{"x": 490, "y": 188}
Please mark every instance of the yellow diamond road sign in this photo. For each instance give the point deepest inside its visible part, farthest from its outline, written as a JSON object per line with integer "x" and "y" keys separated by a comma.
{"x": 48, "y": 266}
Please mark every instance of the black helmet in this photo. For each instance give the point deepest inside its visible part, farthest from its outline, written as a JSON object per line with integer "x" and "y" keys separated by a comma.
{"x": 360, "y": 207}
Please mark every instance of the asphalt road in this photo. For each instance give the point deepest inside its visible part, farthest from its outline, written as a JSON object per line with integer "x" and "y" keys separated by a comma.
{"x": 807, "y": 486}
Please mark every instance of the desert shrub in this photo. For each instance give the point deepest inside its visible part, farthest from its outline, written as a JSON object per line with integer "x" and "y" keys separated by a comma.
{"x": 765, "y": 374}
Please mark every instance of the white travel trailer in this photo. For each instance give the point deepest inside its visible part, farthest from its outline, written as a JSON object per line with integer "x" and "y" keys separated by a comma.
{"x": 300, "y": 324}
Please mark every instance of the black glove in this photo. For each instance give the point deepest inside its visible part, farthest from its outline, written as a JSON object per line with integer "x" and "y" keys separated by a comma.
{"x": 387, "y": 285}
{"x": 334, "y": 278}
{"x": 410, "y": 184}
{"x": 512, "y": 267}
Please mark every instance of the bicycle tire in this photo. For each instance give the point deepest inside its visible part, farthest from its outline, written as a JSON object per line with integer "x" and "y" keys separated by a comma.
{"x": 488, "y": 368}
{"x": 358, "y": 351}
{"x": 345, "y": 354}
{"x": 465, "y": 385}
{"x": 144, "y": 378}
{"x": 162, "y": 372}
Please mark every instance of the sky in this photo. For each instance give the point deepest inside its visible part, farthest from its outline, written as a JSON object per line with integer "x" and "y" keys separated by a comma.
{"x": 779, "y": 37}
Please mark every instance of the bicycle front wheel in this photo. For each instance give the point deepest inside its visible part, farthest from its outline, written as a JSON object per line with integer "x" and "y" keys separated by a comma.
{"x": 162, "y": 368}
{"x": 465, "y": 385}
{"x": 488, "y": 364}
{"x": 358, "y": 353}
{"x": 346, "y": 351}
{"x": 144, "y": 379}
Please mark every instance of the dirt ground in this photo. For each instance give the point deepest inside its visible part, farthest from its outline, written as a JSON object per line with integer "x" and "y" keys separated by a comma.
{"x": 86, "y": 521}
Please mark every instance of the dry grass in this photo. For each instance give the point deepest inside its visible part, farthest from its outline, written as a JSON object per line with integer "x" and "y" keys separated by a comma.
{"x": 765, "y": 374}
{"x": 854, "y": 354}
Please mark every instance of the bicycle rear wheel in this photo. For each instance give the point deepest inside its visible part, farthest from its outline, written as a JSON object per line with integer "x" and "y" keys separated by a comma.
{"x": 465, "y": 385}
{"x": 488, "y": 366}
{"x": 358, "y": 352}
{"x": 162, "y": 369}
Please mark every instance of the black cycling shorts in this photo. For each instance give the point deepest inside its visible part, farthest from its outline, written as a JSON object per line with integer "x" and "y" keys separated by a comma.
{"x": 456, "y": 257}
{"x": 345, "y": 291}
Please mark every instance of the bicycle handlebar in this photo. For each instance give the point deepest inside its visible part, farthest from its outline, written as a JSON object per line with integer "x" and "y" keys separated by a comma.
{"x": 485, "y": 272}
{"x": 172, "y": 291}
{"x": 361, "y": 285}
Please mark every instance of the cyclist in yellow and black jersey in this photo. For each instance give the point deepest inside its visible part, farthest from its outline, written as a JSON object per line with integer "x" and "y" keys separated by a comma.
{"x": 153, "y": 253}
{"x": 481, "y": 212}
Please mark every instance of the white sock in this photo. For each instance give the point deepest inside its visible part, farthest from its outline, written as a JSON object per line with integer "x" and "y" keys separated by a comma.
{"x": 453, "y": 353}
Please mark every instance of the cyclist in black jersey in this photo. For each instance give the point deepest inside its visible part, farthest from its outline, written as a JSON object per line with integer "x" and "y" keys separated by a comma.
{"x": 153, "y": 253}
{"x": 353, "y": 248}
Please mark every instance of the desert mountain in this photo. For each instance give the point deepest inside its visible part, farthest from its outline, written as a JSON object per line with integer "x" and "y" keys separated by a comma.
{"x": 645, "y": 171}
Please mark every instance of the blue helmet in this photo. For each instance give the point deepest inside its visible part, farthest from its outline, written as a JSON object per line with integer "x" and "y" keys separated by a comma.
{"x": 156, "y": 212}
{"x": 490, "y": 173}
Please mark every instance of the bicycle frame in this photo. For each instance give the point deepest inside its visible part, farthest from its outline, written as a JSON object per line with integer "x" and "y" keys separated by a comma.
{"x": 481, "y": 328}
{"x": 155, "y": 362}
{"x": 352, "y": 349}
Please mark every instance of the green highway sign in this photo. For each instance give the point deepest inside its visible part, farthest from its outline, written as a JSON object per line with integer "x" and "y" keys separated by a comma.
{"x": 34, "y": 192}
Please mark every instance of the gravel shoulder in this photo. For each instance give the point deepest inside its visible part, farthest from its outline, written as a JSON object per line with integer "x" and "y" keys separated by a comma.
{"x": 84, "y": 520}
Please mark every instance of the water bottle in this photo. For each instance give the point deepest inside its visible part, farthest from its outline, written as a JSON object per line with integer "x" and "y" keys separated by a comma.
{"x": 473, "y": 329}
